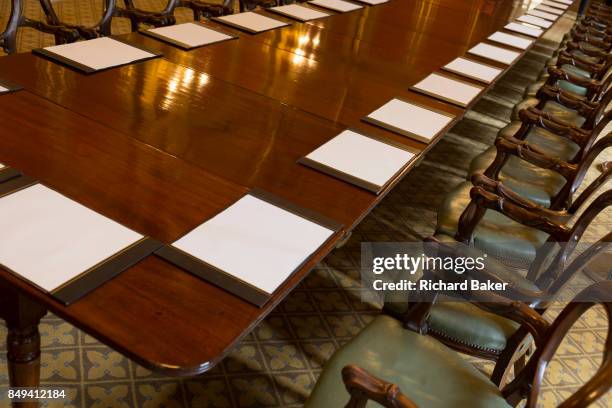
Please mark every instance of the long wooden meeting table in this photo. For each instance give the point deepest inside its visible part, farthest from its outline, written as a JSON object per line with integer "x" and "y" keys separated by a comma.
{"x": 163, "y": 145}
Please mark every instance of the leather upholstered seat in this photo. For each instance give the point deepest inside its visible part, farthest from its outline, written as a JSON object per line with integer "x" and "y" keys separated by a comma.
{"x": 479, "y": 330}
{"x": 432, "y": 374}
{"x": 574, "y": 90}
{"x": 555, "y": 109}
{"x": 549, "y": 143}
{"x": 495, "y": 234}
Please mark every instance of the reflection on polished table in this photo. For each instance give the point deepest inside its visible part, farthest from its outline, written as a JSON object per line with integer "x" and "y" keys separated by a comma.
{"x": 163, "y": 145}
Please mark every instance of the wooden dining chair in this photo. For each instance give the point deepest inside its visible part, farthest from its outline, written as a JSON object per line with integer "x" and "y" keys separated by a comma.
{"x": 528, "y": 173}
{"x": 138, "y": 16}
{"x": 542, "y": 159}
{"x": 165, "y": 17}
{"x": 249, "y": 5}
{"x": 584, "y": 53}
{"x": 101, "y": 28}
{"x": 398, "y": 368}
{"x": 470, "y": 330}
{"x": 203, "y": 9}
{"x": 17, "y": 19}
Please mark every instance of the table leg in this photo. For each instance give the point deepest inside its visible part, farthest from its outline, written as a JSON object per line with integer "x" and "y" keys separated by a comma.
{"x": 22, "y": 316}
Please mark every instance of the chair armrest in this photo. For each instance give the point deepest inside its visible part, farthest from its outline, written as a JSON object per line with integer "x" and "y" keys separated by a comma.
{"x": 596, "y": 23}
{"x": 68, "y": 34}
{"x": 363, "y": 386}
{"x": 558, "y": 74}
{"x": 579, "y": 62}
{"x": 498, "y": 188}
{"x": 583, "y": 37}
{"x": 571, "y": 45}
{"x": 524, "y": 150}
{"x": 543, "y": 120}
{"x": 516, "y": 309}
{"x": 554, "y": 93}
{"x": 491, "y": 201}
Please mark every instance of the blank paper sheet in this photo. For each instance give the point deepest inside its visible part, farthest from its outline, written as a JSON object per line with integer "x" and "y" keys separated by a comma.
{"x": 536, "y": 21}
{"x": 495, "y": 53}
{"x": 548, "y": 9}
{"x": 448, "y": 89}
{"x": 255, "y": 241}
{"x": 190, "y": 35}
{"x": 373, "y": 2}
{"x": 252, "y": 22}
{"x": 473, "y": 69}
{"x": 543, "y": 14}
{"x": 362, "y": 157}
{"x": 100, "y": 53}
{"x": 511, "y": 40}
{"x": 557, "y": 4}
{"x": 523, "y": 29}
{"x": 410, "y": 120}
{"x": 336, "y": 5}
{"x": 298, "y": 12}
{"x": 49, "y": 239}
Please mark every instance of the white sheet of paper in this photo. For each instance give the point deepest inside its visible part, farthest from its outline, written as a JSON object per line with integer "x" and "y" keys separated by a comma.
{"x": 3, "y": 89}
{"x": 473, "y": 69}
{"x": 100, "y": 53}
{"x": 255, "y": 241}
{"x": 362, "y": 157}
{"x": 373, "y": 2}
{"x": 543, "y": 14}
{"x": 512, "y": 40}
{"x": 411, "y": 118}
{"x": 494, "y": 53}
{"x": 253, "y": 21}
{"x": 337, "y": 5}
{"x": 549, "y": 9}
{"x": 442, "y": 86}
{"x": 536, "y": 21}
{"x": 557, "y": 3}
{"x": 191, "y": 34}
{"x": 49, "y": 239}
{"x": 300, "y": 12}
{"x": 523, "y": 29}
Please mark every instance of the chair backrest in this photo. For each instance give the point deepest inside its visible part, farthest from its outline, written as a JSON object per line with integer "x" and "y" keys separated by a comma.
{"x": 8, "y": 38}
{"x": 101, "y": 28}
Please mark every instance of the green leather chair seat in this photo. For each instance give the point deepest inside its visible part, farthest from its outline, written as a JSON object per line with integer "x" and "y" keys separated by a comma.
{"x": 496, "y": 234}
{"x": 429, "y": 373}
{"x": 555, "y": 109}
{"x": 551, "y": 144}
{"x": 466, "y": 324}
{"x": 532, "y": 182}
{"x": 567, "y": 86}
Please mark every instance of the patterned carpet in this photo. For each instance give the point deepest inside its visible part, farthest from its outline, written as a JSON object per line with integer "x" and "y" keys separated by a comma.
{"x": 278, "y": 363}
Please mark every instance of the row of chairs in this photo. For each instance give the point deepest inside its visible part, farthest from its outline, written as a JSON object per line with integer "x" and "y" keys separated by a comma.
{"x": 520, "y": 206}
{"x": 66, "y": 32}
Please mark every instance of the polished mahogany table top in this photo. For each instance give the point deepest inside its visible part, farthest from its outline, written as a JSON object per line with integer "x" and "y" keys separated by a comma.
{"x": 163, "y": 145}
